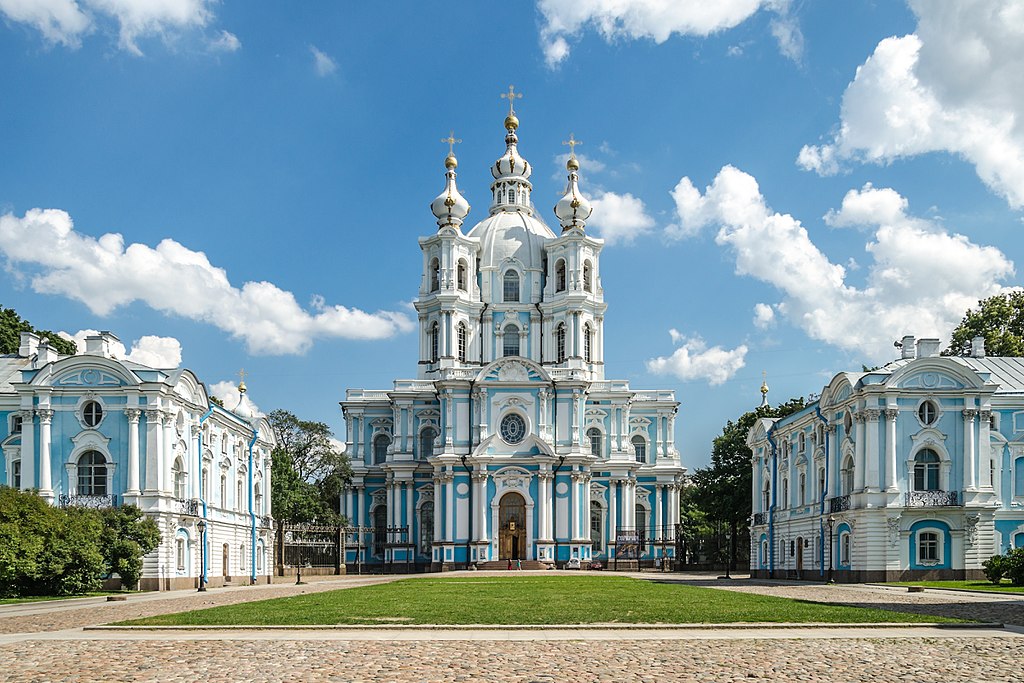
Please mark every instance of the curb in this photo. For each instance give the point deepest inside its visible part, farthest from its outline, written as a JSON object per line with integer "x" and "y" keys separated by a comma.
{"x": 556, "y": 627}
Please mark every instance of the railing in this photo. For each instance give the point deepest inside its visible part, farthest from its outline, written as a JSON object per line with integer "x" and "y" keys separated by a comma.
{"x": 95, "y": 502}
{"x": 664, "y": 395}
{"x": 760, "y": 518}
{"x": 188, "y": 506}
{"x": 933, "y": 499}
{"x": 839, "y": 504}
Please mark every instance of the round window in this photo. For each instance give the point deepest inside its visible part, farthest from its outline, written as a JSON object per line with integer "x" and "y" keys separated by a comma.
{"x": 927, "y": 413}
{"x": 513, "y": 428}
{"x": 92, "y": 413}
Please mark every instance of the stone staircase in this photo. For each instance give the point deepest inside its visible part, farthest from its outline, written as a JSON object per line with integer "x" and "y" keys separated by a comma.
{"x": 503, "y": 564}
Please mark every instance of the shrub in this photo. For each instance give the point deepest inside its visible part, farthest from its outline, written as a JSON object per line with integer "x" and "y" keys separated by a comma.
{"x": 1014, "y": 566}
{"x": 127, "y": 535}
{"x": 994, "y": 567}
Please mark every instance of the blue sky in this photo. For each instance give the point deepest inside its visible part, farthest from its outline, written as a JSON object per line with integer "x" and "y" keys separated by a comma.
{"x": 785, "y": 187}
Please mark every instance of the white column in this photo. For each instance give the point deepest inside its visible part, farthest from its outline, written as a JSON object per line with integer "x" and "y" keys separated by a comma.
{"x": 45, "y": 486}
{"x": 613, "y": 490}
{"x": 970, "y": 468}
{"x": 167, "y": 425}
{"x": 437, "y": 509}
{"x": 984, "y": 448}
{"x": 154, "y": 447}
{"x": 858, "y": 474}
{"x": 449, "y": 532}
{"x": 194, "y": 458}
{"x": 630, "y": 504}
{"x": 657, "y": 511}
{"x": 574, "y": 498}
{"x": 349, "y": 512}
{"x": 542, "y": 506}
{"x": 28, "y": 451}
{"x": 409, "y": 508}
{"x": 890, "y": 448}
{"x": 871, "y": 451}
{"x": 357, "y": 505}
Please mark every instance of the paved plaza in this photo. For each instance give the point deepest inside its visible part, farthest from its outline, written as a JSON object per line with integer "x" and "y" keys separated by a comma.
{"x": 49, "y": 642}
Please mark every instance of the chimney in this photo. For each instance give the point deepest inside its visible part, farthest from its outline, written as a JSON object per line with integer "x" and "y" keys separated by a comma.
{"x": 101, "y": 344}
{"x": 926, "y": 348}
{"x": 978, "y": 347}
{"x": 46, "y": 353}
{"x": 29, "y": 344}
{"x": 908, "y": 347}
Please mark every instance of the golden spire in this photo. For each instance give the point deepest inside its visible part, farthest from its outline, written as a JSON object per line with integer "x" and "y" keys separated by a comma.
{"x": 764, "y": 388}
{"x": 450, "y": 161}
{"x": 241, "y": 381}
{"x": 572, "y": 164}
{"x": 511, "y": 122}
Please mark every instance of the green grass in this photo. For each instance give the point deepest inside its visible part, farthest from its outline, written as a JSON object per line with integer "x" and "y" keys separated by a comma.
{"x": 527, "y": 600}
{"x": 1004, "y": 587}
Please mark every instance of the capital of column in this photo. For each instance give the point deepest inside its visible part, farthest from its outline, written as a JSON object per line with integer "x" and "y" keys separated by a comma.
{"x": 859, "y": 416}
{"x": 830, "y": 428}
{"x": 872, "y": 414}
{"x": 26, "y": 415}
{"x": 970, "y": 414}
{"x": 891, "y": 414}
{"x": 152, "y": 414}
{"x": 195, "y": 428}
{"x": 133, "y": 415}
{"x": 45, "y": 415}
{"x": 479, "y": 476}
{"x": 985, "y": 415}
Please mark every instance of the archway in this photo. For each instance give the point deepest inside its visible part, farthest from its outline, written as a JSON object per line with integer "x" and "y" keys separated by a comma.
{"x": 512, "y": 527}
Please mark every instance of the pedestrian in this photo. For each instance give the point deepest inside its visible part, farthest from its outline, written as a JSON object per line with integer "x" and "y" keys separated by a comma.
{"x": 519, "y": 565}
{"x": 510, "y": 564}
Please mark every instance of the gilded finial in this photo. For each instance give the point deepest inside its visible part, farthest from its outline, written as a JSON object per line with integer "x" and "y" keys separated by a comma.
{"x": 764, "y": 388}
{"x": 241, "y": 381}
{"x": 511, "y": 122}
{"x": 450, "y": 161}
{"x": 572, "y": 164}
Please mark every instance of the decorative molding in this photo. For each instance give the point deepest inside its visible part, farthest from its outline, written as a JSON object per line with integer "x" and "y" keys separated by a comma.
{"x": 891, "y": 414}
{"x": 893, "y": 528}
{"x": 512, "y": 478}
{"x": 88, "y": 377}
{"x": 971, "y": 527}
{"x": 969, "y": 414}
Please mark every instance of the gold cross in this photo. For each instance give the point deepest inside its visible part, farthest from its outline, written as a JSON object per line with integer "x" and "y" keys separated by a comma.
{"x": 451, "y": 140}
{"x": 511, "y": 96}
{"x": 572, "y": 142}
{"x": 241, "y": 375}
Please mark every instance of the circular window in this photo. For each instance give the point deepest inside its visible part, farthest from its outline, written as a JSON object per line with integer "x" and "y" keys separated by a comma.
{"x": 927, "y": 413}
{"x": 513, "y": 428}
{"x": 92, "y": 413}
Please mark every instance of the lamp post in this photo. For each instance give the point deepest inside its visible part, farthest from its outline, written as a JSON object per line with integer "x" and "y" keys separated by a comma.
{"x": 298, "y": 565}
{"x": 201, "y": 527}
{"x": 831, "y": 552}
{"x": 728, "y": 550}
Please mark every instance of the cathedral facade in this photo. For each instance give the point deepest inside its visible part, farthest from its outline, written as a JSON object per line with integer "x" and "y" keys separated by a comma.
{"x": 510, "y": 445}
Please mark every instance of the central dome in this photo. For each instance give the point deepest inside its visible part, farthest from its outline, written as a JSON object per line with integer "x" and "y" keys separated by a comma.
{"x": 512, "y": 234}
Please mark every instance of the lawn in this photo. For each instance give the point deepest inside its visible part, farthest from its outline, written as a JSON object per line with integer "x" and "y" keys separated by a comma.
{"x": 1004, "y": 587}
{"x": 527, "y": 600}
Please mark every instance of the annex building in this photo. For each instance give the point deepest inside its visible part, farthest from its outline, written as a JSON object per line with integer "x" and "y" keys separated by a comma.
{"x": 912, "y": 471}
{"x": 97, "y": 431}
{"x": 510, "y": 444}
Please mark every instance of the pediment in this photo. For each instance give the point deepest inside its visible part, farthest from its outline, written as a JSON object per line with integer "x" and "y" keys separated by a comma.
{"x": 513, "y": 370}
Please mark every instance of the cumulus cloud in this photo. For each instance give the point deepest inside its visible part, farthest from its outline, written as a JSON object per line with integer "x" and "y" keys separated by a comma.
{"x": 565, "y": 20}
{"x": 693, "y": 360}
{"x": 225, "y": 42}
{"x": 227, "y": 392}
{"x": 764, "y": 316}
{"x": 619, "y": 218}
{"x": 322, "y": 62}
{"x": 955, "y": 85}
{"x": 104, "y": 274}
{"x": 921, "y": 280}
{"x": 66, "y": 21}
{"x": 150, "y": 350}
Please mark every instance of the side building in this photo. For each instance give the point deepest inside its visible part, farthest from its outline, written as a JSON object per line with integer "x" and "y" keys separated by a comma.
{"x": 913, "y": 471}
{"x": 92, "y": 430}
{"x": 510, "y": 445}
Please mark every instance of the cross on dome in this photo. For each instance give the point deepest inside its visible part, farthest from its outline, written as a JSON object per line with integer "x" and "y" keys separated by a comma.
{"x": 572, "y": 164}
{"x": 511, "y": 122}
{"x": 450, "y": 161}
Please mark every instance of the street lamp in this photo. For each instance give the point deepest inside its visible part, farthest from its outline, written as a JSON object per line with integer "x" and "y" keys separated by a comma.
{"x": 201, "y": 526}
{"x": 831, "y": 552}
{"x": 298, "y": 565}
{"x": 728, "y": 550}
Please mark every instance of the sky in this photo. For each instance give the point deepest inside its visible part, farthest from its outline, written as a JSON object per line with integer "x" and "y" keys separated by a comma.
{"x": 784, "y": 187}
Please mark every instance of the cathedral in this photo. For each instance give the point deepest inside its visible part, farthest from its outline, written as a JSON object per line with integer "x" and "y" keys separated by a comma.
{"x": 510, "y": 445}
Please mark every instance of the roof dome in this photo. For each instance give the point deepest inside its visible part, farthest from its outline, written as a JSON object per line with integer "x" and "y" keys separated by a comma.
{"x": 512, "y": 234}
{"x": 244, "y": 408}
{"x": 573, "y": 209}
{"x": 450, "y": 207}
{"x": 511, "y": 165}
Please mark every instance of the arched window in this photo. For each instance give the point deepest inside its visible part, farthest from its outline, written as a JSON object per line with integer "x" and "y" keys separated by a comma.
{"x": 435, "y": 275}
{"x": 178, "y": 477}
{"x": 844, "y": 548}
{"x": 588, "y": 277}
{"x": 380, "y": 448}
{"x": 257, "y": 494}
{"x": 587, "y": 343}
{"x": 463, "y": 335}
{"x": 426, "y": 527}
{"x": 596, "y": 532}
{"x": 801, "y": 440}
{"x": 180, "y": 553}
{"x": 766, "y": 497}
{"x": 594, "y": 434}
{"x": 927, "y": 413}
{"x": 848, "y": 424}
{"x": 512, "y": 196}
{"x": 427, "y": 437}
{"x": 641, "y": 523}
{"x": 926, "y": 470}
{"x": 802, "y": 488}
{"x": 846, "y": 476}
{"x": 223, "y": 490}
{"x": 206, "y": 484}
{"x": 639, "y": 448}
{"x": 461, "y": 277}
{"x": 92, "y": 413}
{"x": 785, "y": 493}
{"x": 821, "y": 481}
{"x": 16, "y": 474}
{"x": 560, "y": 276}
{"x": 1018, "y": 477}
{"x": 435, "y": 340}
{"x": 510, "y": 341}
{"x": 560, "y": 343}
{"x": 240, "y": 496}
{"x": 510, "y": 287}
{"x": 92, "y": 474}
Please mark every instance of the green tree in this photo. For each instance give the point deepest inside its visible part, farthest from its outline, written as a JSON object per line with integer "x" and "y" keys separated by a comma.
{"x": 309, "y": 471}
{"x": 12, "y": 325}
{"x": 999, "y": 319}
{"x": 722, "y": 490}
{"x": 127, "y": 536}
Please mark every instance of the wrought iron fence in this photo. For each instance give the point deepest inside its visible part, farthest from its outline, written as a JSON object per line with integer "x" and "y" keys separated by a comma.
{"x": 308, "y": 545}
{"x": 81, "y": 501}
{"x": 839, "y": 504}
{"x": 188, "y": 506}
{"x": 933, "y": 499}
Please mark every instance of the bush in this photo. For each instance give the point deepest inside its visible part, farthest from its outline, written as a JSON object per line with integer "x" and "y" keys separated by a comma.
{"x": 127, "y": 536}
{"x": 995, "y": 567}
{"x": 1014, "y": 566}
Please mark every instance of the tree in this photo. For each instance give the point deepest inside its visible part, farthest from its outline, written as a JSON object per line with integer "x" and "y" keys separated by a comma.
{"x": 723, "y": 489}
{"x": 127, "y": 536}
{"x": 309, "y": 471}
{"x": 999, "y": 319}
{"x": 12, "y": 325}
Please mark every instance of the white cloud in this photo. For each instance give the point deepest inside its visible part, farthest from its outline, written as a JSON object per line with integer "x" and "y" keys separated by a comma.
{"x": 227, "y": 392}
{"x": 322, "y": 63}
{"x": 225, "y": 42}
{"x": 693, "y": 360}
{"x": 921, "y": 279}
{"x": 619, "y": 218}
{"x": 104, "y": 274}
{"x": 955, "y": 85}
{"x": 587, "y": 164}
{"x": 764, "y": 316}
{"x": 65, "y": 21}
{"x": 151, "y": 351}
{"x": 656, "y": 20}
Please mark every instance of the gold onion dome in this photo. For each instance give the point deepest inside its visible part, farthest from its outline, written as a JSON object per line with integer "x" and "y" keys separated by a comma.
{"x": 511, "y": 122}
{"x": 573, "y": 209}
{"x": 450, "y": 207}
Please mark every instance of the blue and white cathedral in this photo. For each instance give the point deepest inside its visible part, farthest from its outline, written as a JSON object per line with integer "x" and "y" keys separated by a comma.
{"x": 510, "y": 445}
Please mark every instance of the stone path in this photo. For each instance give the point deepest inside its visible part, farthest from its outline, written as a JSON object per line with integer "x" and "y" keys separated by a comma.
{"x": 46, "y": 643}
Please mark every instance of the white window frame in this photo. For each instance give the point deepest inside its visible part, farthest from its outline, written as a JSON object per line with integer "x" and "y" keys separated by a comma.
{"x": 845, "y": 548}
{"x": 507, "y": 296}
{"x": 940, "y": 546}
{"x": 936, "y": 406}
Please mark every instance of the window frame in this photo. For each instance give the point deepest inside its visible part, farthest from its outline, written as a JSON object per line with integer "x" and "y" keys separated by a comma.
{"x": 927, "y": 472}
{"x": 434, "y": 275}
{"x": 508, "y": 295}
{"x": 560, "y": 275}
{"x": 510, "y": 332}
{"x": 595, "y": 437}
{"x": 462, "y": 338}
{"x": 560, "y": 343}
{"x": 92, "y": 413}
{"x": 928, "y": 412}
{"x": 91, "y": 478}
{"x": 639, "y": 448}
{"x": 380, "y": 444}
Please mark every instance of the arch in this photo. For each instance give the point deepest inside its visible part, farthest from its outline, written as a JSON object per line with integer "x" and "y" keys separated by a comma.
{"x": 179, "y": 478}
{"x": 257, "y": 495}
{"x": 639, "y": 448}
{"x": 844, "y": 546}
{"x": 435, "y": 340}
{"x": 462, "y": 335}
{"x": 182, "y": 546}
{"x": 510, "y": 287}
{"x": 560, "y": 275}
{"x": 926, "y": 470}
{"x": 588, "y": 276}
{"x": 560, "y": 343}
{"x": 512, "y": 526}
{"x": 596, "y": 439}
{"x": 427, "y": 436}
{"x": 460, "y": 278}
{"x": 930, "y": 544}
{"x": 435, "y": 275}
{"x": 929, "y": 441}
{"x": 588, "y": 343}
{"x": 380, "y": 448}
{"x": 91, "y": 474}
{"x": 510, "y": 340}
{"x": 846, "y": 475}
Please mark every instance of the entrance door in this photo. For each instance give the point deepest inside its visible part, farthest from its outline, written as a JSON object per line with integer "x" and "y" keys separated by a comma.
{"x": 512, "y": 527}
{"x": 799, "y": 556}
